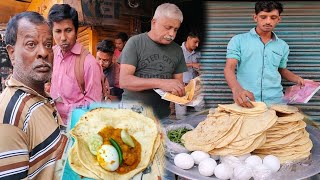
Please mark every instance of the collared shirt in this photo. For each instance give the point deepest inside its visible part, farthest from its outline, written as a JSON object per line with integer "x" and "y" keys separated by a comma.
{"x": 258, "y": 64}
{"x": 30, "y": 133}
{"x": 190, "y": 57}
{"x": 64, "y": 85}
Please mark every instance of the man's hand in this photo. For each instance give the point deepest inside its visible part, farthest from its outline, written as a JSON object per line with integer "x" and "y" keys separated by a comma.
{"x": 174, "y": 86}
{"x": 300, "y": 81}
{"x": 243, "y": 97}
{"x": 196, "y": 65}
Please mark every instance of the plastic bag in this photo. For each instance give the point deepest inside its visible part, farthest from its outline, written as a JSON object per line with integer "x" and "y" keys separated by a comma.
{"x": 296, "y": 94}
{"x": 173, "y": 148}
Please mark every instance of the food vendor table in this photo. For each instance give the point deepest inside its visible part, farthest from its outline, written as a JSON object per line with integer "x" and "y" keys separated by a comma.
{"x": 302, "y": 170}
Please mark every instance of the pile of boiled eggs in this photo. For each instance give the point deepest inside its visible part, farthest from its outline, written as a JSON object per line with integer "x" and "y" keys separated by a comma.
{"x": 229, "y": 167}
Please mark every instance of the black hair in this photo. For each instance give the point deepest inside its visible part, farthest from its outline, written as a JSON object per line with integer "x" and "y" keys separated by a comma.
{"x": 106, "y": 46}
{"x": 59, "y": 12}
{"x": 194, "y": 34}
{"x": 123, "y": 36}
{"x": 13, "y": 24}
{"x": 268, "y": 6}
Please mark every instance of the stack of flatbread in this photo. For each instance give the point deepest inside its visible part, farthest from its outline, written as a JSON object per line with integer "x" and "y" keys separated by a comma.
{"x": 234, "y": 130}
{"x": 287, "y": 139}
{"x": 231, "y": 130}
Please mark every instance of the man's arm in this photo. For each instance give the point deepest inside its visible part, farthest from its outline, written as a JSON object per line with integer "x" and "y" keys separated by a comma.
{"x": 239, "y": 94}
{"x": 127, "y": 80}
{"x": 290, "y": 76}
{"x": 178, "y": 77}
{"x": 194, "y": 65}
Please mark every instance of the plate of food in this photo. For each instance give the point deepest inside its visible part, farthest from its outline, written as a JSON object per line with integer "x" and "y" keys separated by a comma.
{"x": 112, "y": 143}
{"x": 265, "y": 143}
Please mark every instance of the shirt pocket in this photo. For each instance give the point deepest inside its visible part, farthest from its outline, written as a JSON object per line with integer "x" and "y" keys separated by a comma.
{"x": 276, "y": 58}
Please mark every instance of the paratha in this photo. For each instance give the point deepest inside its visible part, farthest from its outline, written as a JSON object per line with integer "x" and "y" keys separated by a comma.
{"x": 142, "y": 129}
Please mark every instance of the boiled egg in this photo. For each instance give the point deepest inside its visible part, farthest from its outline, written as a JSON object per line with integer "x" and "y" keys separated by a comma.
{"x": 184, "y": 161}
{"x": 242, "y": 173}
{"x": 223, "y": 171}
{"x": 261, "y": 172}
{"x": 253, "y": 161}
{"x": 108, "y": 157}
{"x": 231, "y": 161}
{"x": 272, "y": 162}
{"x": 198, "y": 156}
{"x": 206, "y": 167}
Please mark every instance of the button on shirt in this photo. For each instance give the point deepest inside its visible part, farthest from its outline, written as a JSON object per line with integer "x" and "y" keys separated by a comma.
{"x": 190, "y": 57}
{"x": 64, "y": 85}
{"x": 258, "y": 64}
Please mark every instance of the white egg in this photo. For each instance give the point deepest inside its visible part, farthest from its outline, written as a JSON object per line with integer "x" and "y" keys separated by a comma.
{"x": 242, "y": 173}
{"x": 272, "y": 162}
{"x": 243, "y": 157}
{"x": 223, "y": 171}
{"x": 253, "y": 161}
{"x": 231, "y": 161}
{"x": 261, "y": 172}
{"x": 184, "y": 161}
{"x": 108, "y": 157}
{"x": 215, "y": 157}
{"x": 206, "y": 167}
{"x": 198, "y": 156}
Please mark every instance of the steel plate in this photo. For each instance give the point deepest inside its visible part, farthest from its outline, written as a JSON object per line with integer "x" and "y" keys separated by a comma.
{"x": 301, "y": 170}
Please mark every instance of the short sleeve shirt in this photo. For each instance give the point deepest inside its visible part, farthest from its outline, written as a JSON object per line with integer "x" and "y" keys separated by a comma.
{"x": 152, "y": 60}
{"x": 30, "y": 134}
{"x": 190, "y": 57}
{"x": 258, "y": 64}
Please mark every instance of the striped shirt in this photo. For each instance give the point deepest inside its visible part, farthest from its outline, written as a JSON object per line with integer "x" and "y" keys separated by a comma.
{"x": 30, "y": 138}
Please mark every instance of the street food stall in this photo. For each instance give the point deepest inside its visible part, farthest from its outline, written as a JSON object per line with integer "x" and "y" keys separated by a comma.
{"x": 274, "y": 143}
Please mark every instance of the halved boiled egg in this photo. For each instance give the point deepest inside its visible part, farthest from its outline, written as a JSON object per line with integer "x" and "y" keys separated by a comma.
{"x": 108, "y": 157}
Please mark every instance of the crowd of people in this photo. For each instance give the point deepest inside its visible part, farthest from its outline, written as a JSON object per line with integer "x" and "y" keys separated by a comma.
{"x": 32, "y": 114}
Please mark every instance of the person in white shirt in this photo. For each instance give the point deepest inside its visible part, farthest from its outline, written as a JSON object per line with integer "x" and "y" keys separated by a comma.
{"x": 191, "y": 56}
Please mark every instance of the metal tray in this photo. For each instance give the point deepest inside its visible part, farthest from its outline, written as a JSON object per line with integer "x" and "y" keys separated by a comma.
{"x": 301, "y": 170}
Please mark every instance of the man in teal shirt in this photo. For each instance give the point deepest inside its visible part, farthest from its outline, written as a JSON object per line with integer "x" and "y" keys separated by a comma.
{"x": 260, "y": 58}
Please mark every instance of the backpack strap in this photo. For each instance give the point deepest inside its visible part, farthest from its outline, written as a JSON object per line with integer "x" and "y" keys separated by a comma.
{"x": 79, "y": 69}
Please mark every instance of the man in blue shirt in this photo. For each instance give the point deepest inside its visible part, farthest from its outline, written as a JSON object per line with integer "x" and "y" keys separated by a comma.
{"x": 260, "y": 58}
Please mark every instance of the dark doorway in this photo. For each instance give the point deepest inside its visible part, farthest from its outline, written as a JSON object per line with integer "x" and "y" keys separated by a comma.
{"x": 192, "y": 18}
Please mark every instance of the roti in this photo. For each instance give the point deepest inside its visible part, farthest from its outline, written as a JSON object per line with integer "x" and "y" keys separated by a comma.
{"x": 210, "y": 131}
{"x": 190, "y": 90}
{"x": 259, "y": 107}
{"x": 77, "y": 166}
{"x": 285, "y": 109}
{"x": 141, "y": 128}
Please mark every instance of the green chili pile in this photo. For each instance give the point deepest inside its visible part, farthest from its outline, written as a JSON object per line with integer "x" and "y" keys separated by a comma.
{"x": 176, "y": 134}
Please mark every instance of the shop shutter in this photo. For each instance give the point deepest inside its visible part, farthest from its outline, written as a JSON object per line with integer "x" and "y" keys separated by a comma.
{"x": 83, "y": 36}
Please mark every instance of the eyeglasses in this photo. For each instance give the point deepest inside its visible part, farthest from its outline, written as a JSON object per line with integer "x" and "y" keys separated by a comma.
{"x": 104, "y": 61}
